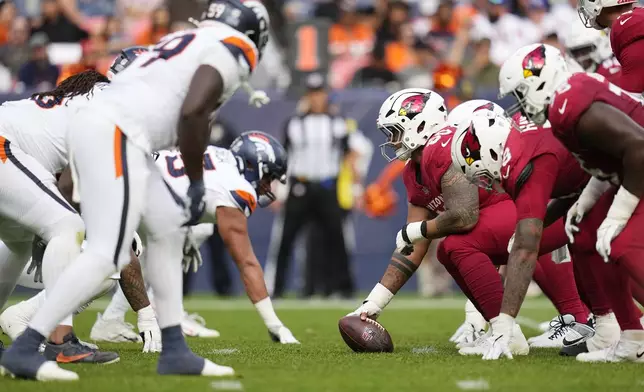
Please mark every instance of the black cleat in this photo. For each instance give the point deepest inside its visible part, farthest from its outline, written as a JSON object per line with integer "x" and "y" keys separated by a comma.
{"x": 73, "y": 351}
{"x": 573, "y": 351}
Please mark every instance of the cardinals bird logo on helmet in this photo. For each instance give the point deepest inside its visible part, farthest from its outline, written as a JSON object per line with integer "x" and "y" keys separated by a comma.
{"x": 534, "y": 61}
{"x": 413, "y": 105}
{"x": 471, "y": 147}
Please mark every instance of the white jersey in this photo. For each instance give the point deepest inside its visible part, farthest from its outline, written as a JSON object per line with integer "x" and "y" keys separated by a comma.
{"x": 145, "y": 99}
{"x": 39, "y": 126}
{"x": 225, "y": 187}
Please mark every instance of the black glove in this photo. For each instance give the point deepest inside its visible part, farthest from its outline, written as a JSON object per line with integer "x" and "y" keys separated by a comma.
{"x": 196, "y": 205}
{"x": 37, "y": 253}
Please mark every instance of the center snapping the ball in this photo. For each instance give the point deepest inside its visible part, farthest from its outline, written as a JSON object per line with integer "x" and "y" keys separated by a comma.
{"x": 365, "y": 336}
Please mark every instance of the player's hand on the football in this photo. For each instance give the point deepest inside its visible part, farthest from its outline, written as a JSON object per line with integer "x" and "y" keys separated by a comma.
{"x": 368, "y": 309}
{"x": 195, "y": 203}
{"x": 607, "y": 232}
{"x": 282, "y": 335}
{"x": 499, "y": 342}
{"x": 191, "y": 254}
{"x": 407, "y": 236}
{"x": 149, "y": 330}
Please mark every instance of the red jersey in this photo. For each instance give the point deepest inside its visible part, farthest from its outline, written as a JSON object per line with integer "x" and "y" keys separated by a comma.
{"x": 435, "y": 162}
{"x": 627, "y": 42}
{"x": 530, "y": 181}
{"x": 611, "y": 69}
{"x": 569, "y": 103}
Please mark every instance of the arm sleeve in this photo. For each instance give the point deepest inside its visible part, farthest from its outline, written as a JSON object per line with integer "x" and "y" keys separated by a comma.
{"x": 632, "y": 60}
{"x": 533, "y": 197}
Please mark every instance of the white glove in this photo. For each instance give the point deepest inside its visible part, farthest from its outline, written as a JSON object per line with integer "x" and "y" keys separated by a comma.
{"x": 618, "y": 215}
{"x": 511, "y": 242}
{"x": 149, "y": 330}
{"x": 589, "y": 196}
{"x": 499, "y": 342}
{"x": 472, "y": 328}
{"x": 257, "y": 98}
{"x": 191, "y": 254}
{"x": 409, "y": 235}
{"x": 376, "y": 301}
{"x": 137, "y": 245}
{"x": 282, "y": 335}
{"x": 369, "y": 308}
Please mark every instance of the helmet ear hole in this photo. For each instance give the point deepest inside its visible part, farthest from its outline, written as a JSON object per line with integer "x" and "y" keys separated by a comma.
{"x": 494, "y": 155}
{"x": 421, "y": 127}
{"x": 541, "y": 86}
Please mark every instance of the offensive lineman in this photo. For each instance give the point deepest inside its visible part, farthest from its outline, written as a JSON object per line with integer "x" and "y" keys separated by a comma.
{"x": 164, "y": 97}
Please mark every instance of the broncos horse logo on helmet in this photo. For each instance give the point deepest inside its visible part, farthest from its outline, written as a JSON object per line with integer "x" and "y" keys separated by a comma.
{"x": 534, "y": 61}
{"x": 124, "y": 59}
{"x": 261, "y": 159}
{"x": 471, "y": 147}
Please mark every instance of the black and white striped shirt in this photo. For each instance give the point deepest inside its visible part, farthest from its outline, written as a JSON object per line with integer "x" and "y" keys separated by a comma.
{"x": 316, "y": 145}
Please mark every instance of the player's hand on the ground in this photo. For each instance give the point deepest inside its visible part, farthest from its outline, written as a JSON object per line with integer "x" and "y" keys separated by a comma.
{"x": 195, "y": 204}
{"x": 499, "y": 342}
{"x": 573, "y": 218}
{"x": 149, "y": 330}
{"x": 407, "y": 236}
{"x": 368, "y": 309}
{"x": 472, "y": 328}
{"x": 191, "y": 254}
{"x": 282, "y": 335}
{"x": 607, "y": 232}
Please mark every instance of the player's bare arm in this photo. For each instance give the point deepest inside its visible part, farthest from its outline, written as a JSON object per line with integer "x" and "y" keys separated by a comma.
{"x": 521, "y": 264}
{"x": 402, "y": 267}
{"x": 66, "y": 186}
{"x": 202, "y": 99}
{"x": 607, "y": 129}
{"x": 557, "y": 208}
{"x": 133, "y": 285}
{"x": 233, "y": 228}
{"x": 461, "y": 206}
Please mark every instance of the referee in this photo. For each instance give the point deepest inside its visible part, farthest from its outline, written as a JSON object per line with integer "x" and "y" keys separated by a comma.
{"x": 316, "y": 141}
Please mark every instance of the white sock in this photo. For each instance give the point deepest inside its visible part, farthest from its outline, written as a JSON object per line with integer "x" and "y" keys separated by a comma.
{"x": 11, "y": 265}
{"x": 82, "y": 280}
{"x": 163, "y": 271}
{"x": 117, "y": 307}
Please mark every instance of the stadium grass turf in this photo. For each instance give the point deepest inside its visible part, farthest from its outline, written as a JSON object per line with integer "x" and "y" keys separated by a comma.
{"x": 423, "y": 359}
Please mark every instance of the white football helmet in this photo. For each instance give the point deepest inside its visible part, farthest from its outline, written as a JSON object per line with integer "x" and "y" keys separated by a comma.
{"x": 588, "y": 10}
{"x": 477, "y": 149}
{"x": 408, "y": 118}
{"x": 588, "y": 47}
{"x": 532, "y": 74}
{"x": 467, "y": 108}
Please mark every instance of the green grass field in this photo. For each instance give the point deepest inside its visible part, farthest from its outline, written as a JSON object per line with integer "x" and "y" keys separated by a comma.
{"x": 423, "y": 359}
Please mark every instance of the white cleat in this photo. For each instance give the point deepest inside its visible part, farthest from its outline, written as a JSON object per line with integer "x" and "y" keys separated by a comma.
{"x": 14, "y": 321}
{"x": 195, "y": 326}
{"x": 113, "y": 330}
{"x": 49, "y": 371}
{"x": 630, "y": 348}
{"x": 472, "y": 328}
{"x": 607, "y": 333}
{"x": 518, "y": 344}
{"x": 554, "y": 337}
{"x": 211, "y": 369}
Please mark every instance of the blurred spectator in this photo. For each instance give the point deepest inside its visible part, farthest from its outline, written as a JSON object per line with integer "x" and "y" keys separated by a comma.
{"x": 329, "y": 9}
{"x": 376, "y": 74}
{"x": 56, "y": 25}
{"x": 159, "y": 27}
{"x": 114, "y": 36}
{"x": 397, "y": 14}
{"x": 506, "y": 31}
{"x": 401, "y": 54}
{"x": 348, "y": 36}
{"x": 419, "y": 75}
{"x": 135, "y": 14}
{"x": 8, "y": 14}
{"x": 38, "y": 73}
{"x": 16, "y": 52}
{"x": 480, "y": 70}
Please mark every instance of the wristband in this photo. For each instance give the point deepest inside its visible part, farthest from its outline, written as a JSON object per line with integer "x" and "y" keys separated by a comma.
{"x": 413, "y": 232}
{"x": 380, "y": 295}
{"x": 624, "y": 205}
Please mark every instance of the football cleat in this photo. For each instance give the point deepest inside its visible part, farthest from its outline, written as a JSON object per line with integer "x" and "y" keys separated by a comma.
{"x": 195, "y": 326}
{"x": 472, "y": 328}
{"x": 607, "y": 333}
{"x": 14, "y": 320}
{"x": 113, "y": 330}
{"x": 518, "y": 344}
{"x": 48, "y": 371}
{"x": 73, "y": 351}
{"x": 629, "y": 348}
{"x": 189, "y": 364}
{"x": 555, "y": 336}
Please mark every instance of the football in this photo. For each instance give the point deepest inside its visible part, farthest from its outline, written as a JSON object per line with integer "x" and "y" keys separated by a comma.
{"x": 365, "y": 336}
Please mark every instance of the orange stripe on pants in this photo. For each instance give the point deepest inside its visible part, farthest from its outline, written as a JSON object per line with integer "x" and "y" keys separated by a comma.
{"x": 3, "y": 150}
{"x": 118, "y": 152}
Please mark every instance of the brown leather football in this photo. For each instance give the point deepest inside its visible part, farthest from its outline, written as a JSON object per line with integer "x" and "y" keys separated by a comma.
{"x": 365, "y": 336}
